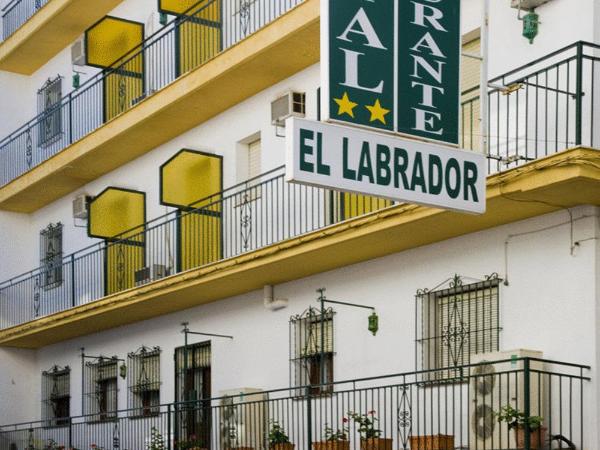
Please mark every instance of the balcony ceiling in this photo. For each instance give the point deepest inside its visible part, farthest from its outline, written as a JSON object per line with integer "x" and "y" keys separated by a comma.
{"x": 565, "y": 179}
{"x": 50, "y": 30}
{"x": 242, "y": 71}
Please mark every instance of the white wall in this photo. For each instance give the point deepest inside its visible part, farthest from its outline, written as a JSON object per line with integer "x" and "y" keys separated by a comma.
{"x": 19, "y": 382}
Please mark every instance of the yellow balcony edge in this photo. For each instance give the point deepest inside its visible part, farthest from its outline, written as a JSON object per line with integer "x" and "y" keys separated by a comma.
{"x": 241, "y": 71}
{"x": 562, "y": 180}
{"x": 56, "y": 25}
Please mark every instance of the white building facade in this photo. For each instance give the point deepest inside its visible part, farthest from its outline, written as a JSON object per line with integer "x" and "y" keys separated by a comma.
{"x": 473, "y": 313}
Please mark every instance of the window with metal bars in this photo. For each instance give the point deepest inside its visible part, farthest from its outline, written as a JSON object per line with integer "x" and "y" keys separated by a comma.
{"x": 49, "y": 111}
{"x": 456, "y": 322}
{"x": 56, "y": 396}
{"x": 51, "y": 255}
{"x": 143, "y": 380}
{"x": 100, "y": 389}
{"x": 312, "y": 350}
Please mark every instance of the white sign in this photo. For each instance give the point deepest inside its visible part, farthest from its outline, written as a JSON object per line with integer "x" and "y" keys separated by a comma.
{"x": 353, "y": 160}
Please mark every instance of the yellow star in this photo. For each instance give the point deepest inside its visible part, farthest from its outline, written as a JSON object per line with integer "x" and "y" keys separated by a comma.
{"x": 346, "y": 106}
{"x": 377, "y": 112}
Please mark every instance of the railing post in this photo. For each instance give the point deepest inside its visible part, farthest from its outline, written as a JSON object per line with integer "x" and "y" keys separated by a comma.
{"x": 170, "y": 434}
{"x": 73, "y": 280}
{"x": 70, "y": 432}
{"x": 579, "y": 95}
{"x": 527, "y": 402}
{"x": 309, "y": 431}
{"x": 70, "y": 118}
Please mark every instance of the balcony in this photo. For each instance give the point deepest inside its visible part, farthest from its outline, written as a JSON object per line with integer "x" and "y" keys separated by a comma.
{"x": 190, "y": 74}
{"x": 411, "y": 410}
{"x": 34, "y": 31}
{"x": 264, "y": 231}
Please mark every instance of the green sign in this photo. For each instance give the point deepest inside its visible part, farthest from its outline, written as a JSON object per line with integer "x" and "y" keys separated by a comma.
{"x": 393, "y": 65}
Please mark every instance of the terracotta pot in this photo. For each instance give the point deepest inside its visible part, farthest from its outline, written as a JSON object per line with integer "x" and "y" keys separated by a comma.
{"x": 537, "y": 438}
{"x": 241, "y": 448}
{"x": 376, "y": 444}
{"x": 288, "y": 446}
{"x": 331, "y": 445}
{"x": 433, "y": 442}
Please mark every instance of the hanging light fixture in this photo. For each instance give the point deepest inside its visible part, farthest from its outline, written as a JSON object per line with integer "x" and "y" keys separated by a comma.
{"x": 373, "y": 323}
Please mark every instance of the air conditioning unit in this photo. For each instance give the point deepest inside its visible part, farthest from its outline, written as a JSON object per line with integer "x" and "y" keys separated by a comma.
{"x": 80, "y": 207}
{"x": 495, "y": 385}
{"x": 150, "y": 273}
{"x": 243, "y": 418}
{"x": 527, "y": 4}
{"x": 288, "y": 105}
{"x": 78, "y": 53}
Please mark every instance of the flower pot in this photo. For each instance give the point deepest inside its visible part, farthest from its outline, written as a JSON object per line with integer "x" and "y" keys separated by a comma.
{"x": 331, "y": 445}
{"x": 432, "y": 442}
{"x": 536, "y": 438}
{"x": 287, "y": 446}
{"x": 241, "y": 448}
{"x": 376, "y": 444}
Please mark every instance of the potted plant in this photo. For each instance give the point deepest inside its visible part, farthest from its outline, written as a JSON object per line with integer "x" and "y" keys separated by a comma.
{"x": 516, "y": 420}
{"x": 334, "y": 440}
{"x": 157, "y": 441}
{"x": 370, "y": 437}
{"x": 278, "y": 439}
{"x": 192, "y": 444}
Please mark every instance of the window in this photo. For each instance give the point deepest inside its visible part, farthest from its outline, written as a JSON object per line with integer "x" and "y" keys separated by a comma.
{"x": 51, "y": 255}
{"x": 100, "y": 388}
{"x": 470, "y": 79}
{"x": 248, "y": 166}
{"x": 254, "y": 155}
{"x": 143, "y": 378}
{"x": 457, "y": 322}
{"x": 56, "y": 396}
{"x": 49, "y": 110}
{"x": 312, "y": 350}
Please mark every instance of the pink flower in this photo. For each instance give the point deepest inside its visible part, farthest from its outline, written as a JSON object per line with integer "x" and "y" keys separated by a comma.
{"x": 372, "y": 413}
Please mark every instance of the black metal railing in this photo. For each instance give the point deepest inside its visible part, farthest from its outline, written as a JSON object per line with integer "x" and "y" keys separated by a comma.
{"x": 184, "y": 44}
{"x": 541, "y": 108}
{"x": 254, "y": 214}
{"x": 407, "y": 412}
{"x": 16, "y": 13}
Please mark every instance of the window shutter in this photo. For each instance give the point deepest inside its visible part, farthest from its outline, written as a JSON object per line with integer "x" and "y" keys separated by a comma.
{"x": 313, "y": 344}
{"x": 254, "y": 159}
{"x": 456, "y": 323}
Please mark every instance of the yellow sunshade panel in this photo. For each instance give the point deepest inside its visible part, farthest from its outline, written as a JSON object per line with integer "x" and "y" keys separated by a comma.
{"x": 200, "y": 237}
{"x": 118, "y": 213}
{"x": 112, "y": 39}
{"x": 190, "y": 176}
{"x": 354, "y": 205}
{"x": 180, "y": 7}
{"x": 199, "y": 37}
{"x": 122, "y": 260}
{"x": 123, "y": 87}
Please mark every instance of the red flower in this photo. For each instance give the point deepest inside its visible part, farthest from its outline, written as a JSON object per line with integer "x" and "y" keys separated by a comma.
{"x": 345, "y": 420}
{"x": 372, "y": 413}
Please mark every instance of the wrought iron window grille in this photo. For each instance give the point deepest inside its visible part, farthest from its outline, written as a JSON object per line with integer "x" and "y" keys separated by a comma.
{"x": 56, "y": 396}
{"x": 100, "y": 383}
{"x": 312, "y": 350}
{"x": 143, "y": 379}
{"x": 50, "y": 111}
{"x": 455, "y": 321}
{"x": 51, "y": 255}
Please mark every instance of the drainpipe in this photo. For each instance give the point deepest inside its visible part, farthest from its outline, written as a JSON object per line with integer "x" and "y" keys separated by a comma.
{"x": 271, "y": 303}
